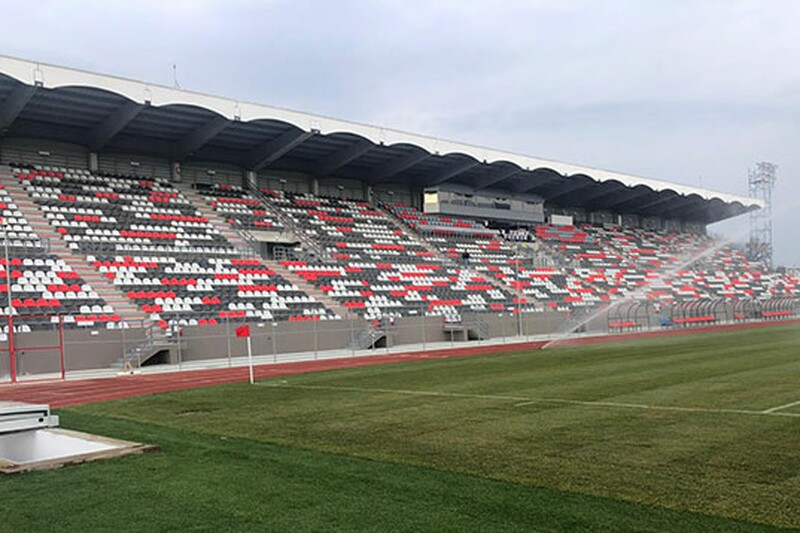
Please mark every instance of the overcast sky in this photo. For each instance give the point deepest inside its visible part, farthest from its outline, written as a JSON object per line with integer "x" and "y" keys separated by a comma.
{"x": 689, "y": 91}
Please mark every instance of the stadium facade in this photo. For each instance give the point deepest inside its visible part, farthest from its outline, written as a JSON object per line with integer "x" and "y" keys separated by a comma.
{"x": 180, "y": 209}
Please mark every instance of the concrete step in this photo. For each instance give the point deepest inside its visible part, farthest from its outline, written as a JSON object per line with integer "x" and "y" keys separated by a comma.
{"x": 290, "y": 226}
{"x": 201, "y": 204}
{"x": 402, "y": 225}
{"x": 309, "y": 289}
{"x": 106, "y": 289}
{"x": 99, "y": 283}
{"x": 235, "y": 239}
{"x": 414, "y": 234}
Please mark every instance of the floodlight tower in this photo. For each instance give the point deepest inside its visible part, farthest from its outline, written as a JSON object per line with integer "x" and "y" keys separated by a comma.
{"x": 761, "y": 182}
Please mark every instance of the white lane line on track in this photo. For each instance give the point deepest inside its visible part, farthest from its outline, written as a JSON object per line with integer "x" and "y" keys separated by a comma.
{"x": 773, "y": 410}
{"x": 523, "y": 401}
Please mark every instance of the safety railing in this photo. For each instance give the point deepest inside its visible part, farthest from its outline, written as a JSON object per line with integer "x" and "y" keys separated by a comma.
{"x": 290, "y": 224}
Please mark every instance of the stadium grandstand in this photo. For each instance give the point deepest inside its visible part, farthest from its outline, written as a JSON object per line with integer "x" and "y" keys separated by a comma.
{"x": 156, "y": 219}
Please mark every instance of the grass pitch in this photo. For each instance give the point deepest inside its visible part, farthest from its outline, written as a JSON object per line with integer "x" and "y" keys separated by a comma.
{"x": 682, "y": 433}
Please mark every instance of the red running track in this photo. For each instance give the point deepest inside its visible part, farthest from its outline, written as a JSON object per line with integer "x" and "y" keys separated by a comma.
{"x": 69, "y": 393}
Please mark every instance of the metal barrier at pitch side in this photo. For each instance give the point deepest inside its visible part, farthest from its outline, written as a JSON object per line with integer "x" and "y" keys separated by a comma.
{"x": 25, "y": 357}
{"x": 46, "y": 347}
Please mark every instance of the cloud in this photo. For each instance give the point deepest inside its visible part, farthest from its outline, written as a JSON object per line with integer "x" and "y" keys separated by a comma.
{"x": 690, "y": 91}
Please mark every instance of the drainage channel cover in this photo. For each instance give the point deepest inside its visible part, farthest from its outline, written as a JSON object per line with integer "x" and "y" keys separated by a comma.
{"x": 40, "y": 449}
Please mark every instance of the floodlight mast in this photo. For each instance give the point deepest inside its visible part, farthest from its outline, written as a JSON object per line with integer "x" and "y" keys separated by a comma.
{"x": 761, "y": 182}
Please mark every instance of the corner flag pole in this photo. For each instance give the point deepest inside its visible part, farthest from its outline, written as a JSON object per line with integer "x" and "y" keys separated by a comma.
{"x": 244, "y": 331}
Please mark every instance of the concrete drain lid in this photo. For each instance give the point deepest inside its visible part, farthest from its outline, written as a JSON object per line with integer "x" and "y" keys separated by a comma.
{"x": 29, "y": 440}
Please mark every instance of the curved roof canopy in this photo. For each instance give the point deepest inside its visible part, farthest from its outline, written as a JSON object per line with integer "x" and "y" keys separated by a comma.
{"x": 110, "y": 113}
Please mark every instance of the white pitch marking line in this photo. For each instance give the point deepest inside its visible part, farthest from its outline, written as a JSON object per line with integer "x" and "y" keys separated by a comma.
{"x": 407, "y": 392}
{"x": 523, "y": 401}
{"x": 584, "y": 402}
{"x": 780, "y": 407}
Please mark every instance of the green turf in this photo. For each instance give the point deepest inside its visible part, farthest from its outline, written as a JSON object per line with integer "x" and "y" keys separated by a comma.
{"x": 497, "y": 449}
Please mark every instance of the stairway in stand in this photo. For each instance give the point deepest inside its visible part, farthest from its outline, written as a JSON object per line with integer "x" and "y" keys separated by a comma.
{"x": 201, "y": 204}
{"x": 308, "y": 288}
{"x": 416, "y": 235}
{"x": 113, "y": 296}
{"x": 404, "y": 226}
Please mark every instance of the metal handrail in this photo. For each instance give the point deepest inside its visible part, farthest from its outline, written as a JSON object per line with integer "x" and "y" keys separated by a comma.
{"x": 290, "y": 224}
{"x": 253, "y": 243}
{"x": 365, "y": 338}
{"x": 153, "y": 335}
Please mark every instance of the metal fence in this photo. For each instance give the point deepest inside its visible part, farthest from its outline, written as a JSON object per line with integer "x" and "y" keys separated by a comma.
{"x": 91, "y": 349}
{"x": 54, "y": 351}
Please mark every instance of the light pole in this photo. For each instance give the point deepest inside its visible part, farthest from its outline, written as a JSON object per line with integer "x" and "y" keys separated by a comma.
{"x": 4, "y": 224}
{"x": 518, "y": 290}
{"x": 11, "y": 355}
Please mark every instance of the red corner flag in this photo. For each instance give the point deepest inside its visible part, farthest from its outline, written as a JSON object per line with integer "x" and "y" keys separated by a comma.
{"x": 243, "y": 331}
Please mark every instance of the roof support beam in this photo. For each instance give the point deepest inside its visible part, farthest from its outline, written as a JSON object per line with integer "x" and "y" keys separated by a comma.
{"x": 111, "y": 126}
{"x": 642, "y": 191}
{"x": 274, "y": 149}
{"x": 197, "y": 138}
{"x": 692, "y": 212}
{"x": 497, "y": 176}
{"x": 398, "y": 165}
{"x": 451, "y": 172}
{"x": 600, "y": 193}
{"x": 333, "y": 162}
{"x": 661, "y": 200}
{"x": 566, "y": 190}
{"x": 633, "y": 204}
{"x": 685, "y": 213}
{"x": 711, "y": 214}
{"x": 680, "y": 211}
{"x": 14, "y": 104}
{"x": 536, "y": 182}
